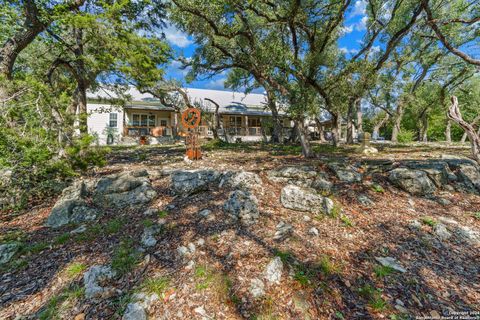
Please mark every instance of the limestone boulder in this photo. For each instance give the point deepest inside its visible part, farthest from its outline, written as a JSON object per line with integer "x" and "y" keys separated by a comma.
{"x": 415, "y": 182}
{"x": 187, "y": 182}
{"x": 305, "y": 199}
{"x": 242, "y": 205}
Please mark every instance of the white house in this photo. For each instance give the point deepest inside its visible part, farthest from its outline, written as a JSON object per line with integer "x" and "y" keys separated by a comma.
{"x": 241, "y": 115}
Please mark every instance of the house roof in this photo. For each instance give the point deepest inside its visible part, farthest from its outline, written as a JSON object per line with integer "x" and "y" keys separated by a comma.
{"x": 230, "y": 102}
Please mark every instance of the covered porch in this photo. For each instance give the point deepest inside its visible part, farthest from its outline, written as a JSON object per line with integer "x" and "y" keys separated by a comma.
{"x": 155, "y": 121}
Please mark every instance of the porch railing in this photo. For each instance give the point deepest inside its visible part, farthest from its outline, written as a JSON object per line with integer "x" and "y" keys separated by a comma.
{"x": 136, "y": 131}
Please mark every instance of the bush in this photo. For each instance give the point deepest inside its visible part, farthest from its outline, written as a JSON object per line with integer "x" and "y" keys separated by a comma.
{"x": 405, "y": 136}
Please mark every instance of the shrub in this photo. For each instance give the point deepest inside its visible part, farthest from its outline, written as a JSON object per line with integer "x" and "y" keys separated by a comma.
{"x": 405, "y": 136}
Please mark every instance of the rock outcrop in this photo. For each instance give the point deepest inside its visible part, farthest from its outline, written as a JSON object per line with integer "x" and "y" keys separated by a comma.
{"x": 413, "y": 181}
{"x": 305, "y": 199}
{"x": 127, "y": 189}
{"x": 7, "y": 251}
{"x": 95, "y": 279}
{"x": 187, "y": 182}
{"x": 242, "y": 205}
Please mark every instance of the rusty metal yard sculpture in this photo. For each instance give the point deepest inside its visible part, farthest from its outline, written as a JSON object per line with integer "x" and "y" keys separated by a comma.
{"x": 191, "y": 120}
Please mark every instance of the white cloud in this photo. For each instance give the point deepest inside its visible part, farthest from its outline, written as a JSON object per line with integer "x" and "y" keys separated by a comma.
{"x": 362, "y": 24}
{"x": 347, "y": 29}
{"x": 346, "y": 50}
{"x": 216, "y": 84}
{"x": 360, "y": 8}
{"x": 176, "y": 37}
{"x": 376, "y": 49}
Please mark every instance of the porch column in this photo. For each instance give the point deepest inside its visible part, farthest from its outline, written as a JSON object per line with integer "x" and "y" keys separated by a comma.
{"x": 246, "y": 125}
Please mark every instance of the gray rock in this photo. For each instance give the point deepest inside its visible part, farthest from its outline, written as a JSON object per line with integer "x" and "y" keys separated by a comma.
{"x": 204, "y": 213}
{"x": 313, "y": 231}
{"x": 364, "y": 200}
{"x": 345, "y": 173}
{"x": 127, "y": 189}
{"x": 7, "y": 251}
{"x": 273, "y": 272}
{"x": 322, "y": 184}
{"x": 80, "y": 229}
{"x": 415, "y": 182}
{"x": 283, "y": 230}
{"x": 182, "y": 251}
{"x": 469, "y": 235}
{"x": 134, "y": 311}
{"x": 257, "y": 288}
{"x": 441, "y": 231}
{"x": 240, "y": 180}
{"x": 72, "y": 207}
{"x": 305, "y": 199}
{"x": 415, "y": 224}
{"x": 390, "y": 262}
{"x": 469, "y": 174}
{"x": 148, "y": 236}
{"x": 94, "y": 280}
{"x": 150, "y": 212}
{"x": 292, "y": 173}
{"x": 187, "y": 182}
{"x": 448, "y": 220}
{"x": 243, "y": 206}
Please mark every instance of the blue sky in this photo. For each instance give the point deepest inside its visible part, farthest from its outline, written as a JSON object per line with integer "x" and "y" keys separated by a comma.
{"x": 183, "y": 45}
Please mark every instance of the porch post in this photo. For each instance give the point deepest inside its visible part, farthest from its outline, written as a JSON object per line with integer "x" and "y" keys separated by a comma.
{"x": 246, "y": 125}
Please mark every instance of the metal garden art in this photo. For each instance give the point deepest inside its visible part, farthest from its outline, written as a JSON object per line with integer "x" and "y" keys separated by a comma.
{"x": 191, "y": 120}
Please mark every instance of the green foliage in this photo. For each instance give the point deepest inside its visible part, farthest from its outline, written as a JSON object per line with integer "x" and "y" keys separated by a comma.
{"x": 62, "y": 239}
{"x": 125, "y": 257}
{"x": 476, "y": 215}
{"x": 405, "y": 136}
{"x": 155, "y": 285}
{"x": 61, "y": 303}
{"x": 114, "y": 226}
{"x": 383, "y": 271}
{"x": 162, "y": 214}
{"x": 75, "y": 269}
{"x": 346, "y": 221}
{"x": 377, "y": 188}
{"x": 429, "y": 221}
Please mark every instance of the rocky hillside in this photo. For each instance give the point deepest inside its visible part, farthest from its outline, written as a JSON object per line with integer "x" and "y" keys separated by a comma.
{"x": 242, "y": 235}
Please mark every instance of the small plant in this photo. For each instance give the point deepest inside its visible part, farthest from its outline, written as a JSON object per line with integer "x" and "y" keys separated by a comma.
{"x": 155, "y": 285}
{"x": 374, "y": 297}
{"x": 378, "y": 188}
{"x": 142, "y": 156}
{"x": 58, "y": 304}
{"x": 346, "y": 221}
{"x": 62, "y": 239}
{"x": 162, "y": 214}
{"x": 339, "y": 315}
{"x": 36, "y": 247}
{"x": 301, "y": 277}
{"x": 113, "y": 226}
{"x": 205, "y": 276}
{"x": 285, "y": 256}
{"x": 336, "y": 211}
{"x": 405, "y": 136}
{"x": 429, "y": 221}
{"x": 75, "y": 269}
{"x": 327, "y": 267}
{"x": 383, "y": 271}
{"x": 147, "y": 223}
{"x": 377, "y": 303}
{"x": 476, "y": 215}
{"x": 125, "y": 257}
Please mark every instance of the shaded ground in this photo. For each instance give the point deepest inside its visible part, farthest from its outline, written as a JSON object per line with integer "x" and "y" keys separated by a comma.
{"x": 330, "y": 276}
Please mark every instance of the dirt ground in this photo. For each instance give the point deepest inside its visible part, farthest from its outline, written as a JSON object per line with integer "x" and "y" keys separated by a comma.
{"x": 330, "y": 276}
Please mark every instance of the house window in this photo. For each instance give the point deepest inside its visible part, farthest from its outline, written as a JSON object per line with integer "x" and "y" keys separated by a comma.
{"x": 235, "y": 122}
{"x": 163, "y": 123}
{"x": 113, "y": 120}
{"x": 143, "y": 120}
{"x": 254, "y": 122}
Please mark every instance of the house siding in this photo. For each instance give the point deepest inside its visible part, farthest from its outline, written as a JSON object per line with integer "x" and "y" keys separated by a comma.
{"x": 98, "y": 122}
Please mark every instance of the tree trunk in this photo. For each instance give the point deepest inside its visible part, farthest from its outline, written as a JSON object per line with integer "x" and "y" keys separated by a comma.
{"x": 398, "y": 122}
{"x": 304, "y": 139}
{"x": 350, "y": 123}
{"x": 358, "y": 105}
{"x": 321, "y": 130}
{"x": 455, "y": 115}
{"x": 336, "y": 129}
{"x": 376, "y": 128}
{"x": 448, "y": 131}
{"x": 423, "y": 135}
{"x": 277, "y": 134}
